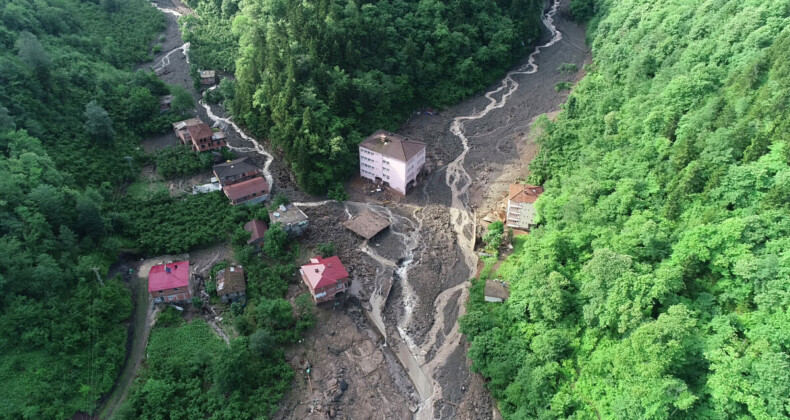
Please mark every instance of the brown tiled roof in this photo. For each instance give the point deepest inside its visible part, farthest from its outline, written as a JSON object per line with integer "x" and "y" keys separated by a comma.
{"x": 199, "y": 131}
{"x": 393, "y": 145}
{"x": 520, "y": 193}
{"x": 366, "y": 224}
{"x": 257, "y": 227}
{"x": 230, "y": 280}
{"x": 242, "y": 189}
{"x": 234, "y": 167}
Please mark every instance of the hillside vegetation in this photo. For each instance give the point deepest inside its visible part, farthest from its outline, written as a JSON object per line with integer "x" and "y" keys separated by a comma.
{"x": 657, "y": 284}
{"x": 318, "y": 76}
{"x": 70, "y": 110}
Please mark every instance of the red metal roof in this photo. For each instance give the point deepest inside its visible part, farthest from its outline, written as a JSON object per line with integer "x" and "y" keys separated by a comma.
{"x": 257, "y": 227}
{"x": 520, "y": 193}
{"x": 160, "y": 279}
{"x": 324, "y": 271}
{"x": 256, "y": 185}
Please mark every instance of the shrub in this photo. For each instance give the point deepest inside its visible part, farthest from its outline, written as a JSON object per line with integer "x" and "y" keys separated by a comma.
{"x": 563, "y": 86}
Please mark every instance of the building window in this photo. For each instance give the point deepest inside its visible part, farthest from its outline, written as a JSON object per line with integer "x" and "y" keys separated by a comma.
{"x": 160, "y": 292}
{"x": 175, "y": 289}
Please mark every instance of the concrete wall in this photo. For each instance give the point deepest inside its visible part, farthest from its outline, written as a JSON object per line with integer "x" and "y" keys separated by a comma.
{"x": 396, "y": 173}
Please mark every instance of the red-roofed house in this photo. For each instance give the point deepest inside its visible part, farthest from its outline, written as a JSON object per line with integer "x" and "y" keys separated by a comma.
{"x": 521, "y": 205}
{"x": 257, "y": 229}
{"x": 325, "y": 277}
{"x": 199, "y": 135}
{"x": 251, "y": 191}
{"x": 170, "y": 282}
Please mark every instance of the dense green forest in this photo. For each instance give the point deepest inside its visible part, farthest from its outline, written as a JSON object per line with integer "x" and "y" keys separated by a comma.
{"x": 657, "y": 283}
{"x": 318, "y": 76}
{"x": 70, "y": 109}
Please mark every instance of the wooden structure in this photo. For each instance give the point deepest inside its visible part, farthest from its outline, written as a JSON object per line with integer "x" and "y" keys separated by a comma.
{"x": 367, "y": 224}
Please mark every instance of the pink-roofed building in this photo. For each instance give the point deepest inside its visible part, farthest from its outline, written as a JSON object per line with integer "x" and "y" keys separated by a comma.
{"x": 170, "y": 283}
{"x": 325, "y": 277}
{"x": 392, "y": 159}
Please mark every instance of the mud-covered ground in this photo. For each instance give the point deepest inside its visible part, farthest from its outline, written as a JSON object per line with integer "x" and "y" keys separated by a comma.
{"x": 392, "y": 349}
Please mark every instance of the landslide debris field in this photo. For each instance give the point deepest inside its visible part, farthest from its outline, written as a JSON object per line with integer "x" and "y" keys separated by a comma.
{"x": 392, "y": 348}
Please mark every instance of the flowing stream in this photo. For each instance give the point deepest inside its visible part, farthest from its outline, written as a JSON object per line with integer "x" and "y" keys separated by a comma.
{"x": 412, "y": 356}
{"x": 459, "y": 181}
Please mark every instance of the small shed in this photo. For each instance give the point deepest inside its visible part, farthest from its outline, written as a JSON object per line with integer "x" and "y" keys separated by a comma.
{"x": 230, "y": 284}
{"x": 257, "y": 229}
{"x": 165, "y": 103}
{"x": 367, "y": 224}
{"x": 208, "y": 77}
{"x": 496, "y": 291}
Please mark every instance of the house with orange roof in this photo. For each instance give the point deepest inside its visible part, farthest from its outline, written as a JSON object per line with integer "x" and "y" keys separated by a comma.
{"x": 521, "y": 205}
{"x": 325, "y": 277}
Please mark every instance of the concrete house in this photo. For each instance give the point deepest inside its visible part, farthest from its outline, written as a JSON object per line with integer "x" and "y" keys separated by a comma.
{"x": 170, "y": 283}
{"x": 231, "y": 286}
{"x": 521, "y": 205}
{"x": 325, "y": 277}
{"x": 199, "y": 135}
{"x": 292, "y": 218}
{"x": 257, "y": 229}
{"x": 392, "y": 159}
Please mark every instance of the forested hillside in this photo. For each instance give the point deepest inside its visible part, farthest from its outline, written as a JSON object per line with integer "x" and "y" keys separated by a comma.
{"x": 658, "y": 284}
{"x": 70, "y": 110}
{"x": 318, "y": 76}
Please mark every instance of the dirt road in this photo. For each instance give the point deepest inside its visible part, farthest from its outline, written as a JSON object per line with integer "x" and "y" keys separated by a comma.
{"x": 411, "y": 282}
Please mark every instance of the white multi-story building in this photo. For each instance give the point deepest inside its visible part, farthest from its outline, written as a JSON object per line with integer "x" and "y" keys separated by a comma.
{"x": 392, "y": 159}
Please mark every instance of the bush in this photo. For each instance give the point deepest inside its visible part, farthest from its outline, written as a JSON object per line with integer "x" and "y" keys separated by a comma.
{"x": 563, "y": 86}
{"x": 182, "y": 161}
{"x": 197, "y": 302}
{"x": 493, "y": 238}
{"x": 567, "y": 68}
{"x": 279, "y": 199}
{"x": 326, "y": 250}
{"x": 169, "y": 317}
{"x": 157, "y": 49}
{"x": 338, "y": 193}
